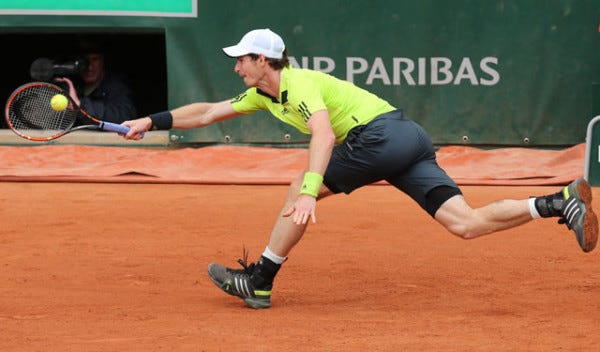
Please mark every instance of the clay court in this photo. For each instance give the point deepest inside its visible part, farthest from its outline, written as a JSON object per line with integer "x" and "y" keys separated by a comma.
{"x": 116, "y": 261}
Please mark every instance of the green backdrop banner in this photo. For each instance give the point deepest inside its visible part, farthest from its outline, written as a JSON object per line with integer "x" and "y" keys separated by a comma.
{"x": 512, "y": 72}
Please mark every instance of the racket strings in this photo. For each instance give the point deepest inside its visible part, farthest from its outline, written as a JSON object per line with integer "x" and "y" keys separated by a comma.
{"x": 31, "y": 113}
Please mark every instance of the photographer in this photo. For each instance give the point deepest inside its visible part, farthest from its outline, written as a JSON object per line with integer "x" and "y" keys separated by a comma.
{"x": 97, "y": 90}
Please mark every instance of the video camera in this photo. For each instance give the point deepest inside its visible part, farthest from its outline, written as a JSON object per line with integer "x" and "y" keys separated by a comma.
{"x": 44, "y": 69}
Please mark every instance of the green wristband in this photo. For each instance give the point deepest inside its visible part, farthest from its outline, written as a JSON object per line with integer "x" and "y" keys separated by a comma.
{"x": 311, "y": 184}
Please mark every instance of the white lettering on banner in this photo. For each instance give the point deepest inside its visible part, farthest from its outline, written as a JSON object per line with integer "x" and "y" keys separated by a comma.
{"x": 440, "y": 66}
{"x": 329, "y": 64}
{"x": 351, "y": 68}
{"x": 433, "y": 71}
{"x": 484, "y": 66}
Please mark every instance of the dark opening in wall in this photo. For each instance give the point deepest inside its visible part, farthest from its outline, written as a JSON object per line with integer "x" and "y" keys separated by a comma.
{"x": 140, "y": 57}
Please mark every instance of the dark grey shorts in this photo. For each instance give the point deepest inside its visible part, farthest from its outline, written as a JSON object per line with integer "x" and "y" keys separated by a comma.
{"x": 391, "y": 148}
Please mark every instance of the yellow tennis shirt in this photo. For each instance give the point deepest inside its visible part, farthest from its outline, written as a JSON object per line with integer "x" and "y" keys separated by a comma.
{"x": 303, "y": 92}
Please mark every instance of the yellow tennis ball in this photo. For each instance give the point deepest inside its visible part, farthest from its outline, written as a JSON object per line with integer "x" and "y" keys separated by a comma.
{"x": 59, "y": 102}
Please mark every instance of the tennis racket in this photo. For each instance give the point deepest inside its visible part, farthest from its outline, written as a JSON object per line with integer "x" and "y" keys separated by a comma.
{"x": 30, "y": 114}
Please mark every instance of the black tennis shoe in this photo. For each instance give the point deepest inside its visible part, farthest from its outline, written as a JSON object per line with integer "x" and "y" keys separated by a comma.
{"x": 238, "y": 283}
{"x": 577, "y": 213}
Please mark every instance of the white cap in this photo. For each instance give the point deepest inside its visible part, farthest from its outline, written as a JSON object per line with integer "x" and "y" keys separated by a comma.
{"x": 258, "y": 41}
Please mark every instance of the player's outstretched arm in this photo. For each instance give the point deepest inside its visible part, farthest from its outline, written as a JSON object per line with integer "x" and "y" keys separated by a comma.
{"x": 198, "y": 115}
{"x": 189, "y": 116}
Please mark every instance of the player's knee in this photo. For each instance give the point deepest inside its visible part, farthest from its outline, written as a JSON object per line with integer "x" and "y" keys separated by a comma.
{"x": 455, "y": 215}
{"x": 462, "y": 230}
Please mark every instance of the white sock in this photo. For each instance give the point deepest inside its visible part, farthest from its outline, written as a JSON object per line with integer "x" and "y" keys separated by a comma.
{"x": 273, "y": 257}
{"x": 532, "y": 209}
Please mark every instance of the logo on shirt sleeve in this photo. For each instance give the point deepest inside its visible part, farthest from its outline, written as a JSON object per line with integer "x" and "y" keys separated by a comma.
{"x": 304, "y": 111}
{"x": 239, "y": 98}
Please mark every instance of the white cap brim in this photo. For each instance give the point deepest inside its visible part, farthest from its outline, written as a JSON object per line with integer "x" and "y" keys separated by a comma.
{"x": 235, "y": 51}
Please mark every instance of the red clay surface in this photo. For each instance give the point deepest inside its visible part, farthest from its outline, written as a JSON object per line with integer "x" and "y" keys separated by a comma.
{"x": 122, "y": 267}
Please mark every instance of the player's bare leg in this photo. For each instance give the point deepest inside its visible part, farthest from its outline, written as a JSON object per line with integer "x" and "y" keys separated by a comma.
{"x": 286, "y": 233}
{"x": 466, "y": 222}
{"x": 573, "y": 204}
{"x": 254, "y": 282}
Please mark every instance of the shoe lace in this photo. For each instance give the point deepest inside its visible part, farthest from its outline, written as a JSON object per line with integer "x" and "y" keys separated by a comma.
{"x": 248, "y": 268}
{"x": 564, "y": 220}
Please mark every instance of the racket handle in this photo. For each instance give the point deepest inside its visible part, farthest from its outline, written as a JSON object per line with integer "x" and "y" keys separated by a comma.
{"x": 113, "y": 127}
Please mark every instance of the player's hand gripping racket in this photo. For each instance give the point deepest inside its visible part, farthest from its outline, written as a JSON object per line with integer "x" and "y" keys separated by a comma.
{"x": 32, "y": 113}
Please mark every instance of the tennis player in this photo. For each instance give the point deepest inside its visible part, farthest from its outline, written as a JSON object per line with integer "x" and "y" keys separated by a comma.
{"x": 357, "y": 138}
